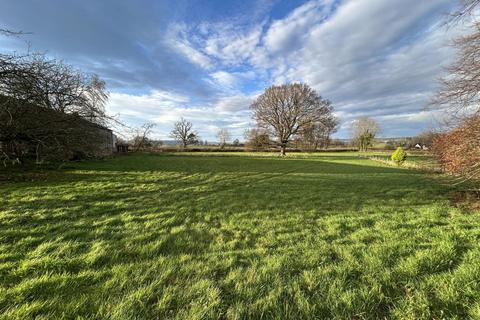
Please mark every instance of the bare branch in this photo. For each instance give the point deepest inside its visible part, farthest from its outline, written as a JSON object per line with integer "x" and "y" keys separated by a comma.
{"x": 183, "y": 133}
{"x": 364, "y": 130}
{"x": 285, "y": 110}
{"x": 223, "y": 136}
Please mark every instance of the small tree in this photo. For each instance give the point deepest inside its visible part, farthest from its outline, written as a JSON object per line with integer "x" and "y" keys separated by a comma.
{"x": 141, "y": 140}
{"x": 399, "y": 156}
{"x": 183, "y": 133}
{"x": 193, "y": 139}
{"x": 364, "y": 131}
{"x": 223, "y": 137}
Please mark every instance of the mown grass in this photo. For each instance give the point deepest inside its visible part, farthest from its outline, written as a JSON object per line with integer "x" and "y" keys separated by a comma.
{"x": 237, "y": 236}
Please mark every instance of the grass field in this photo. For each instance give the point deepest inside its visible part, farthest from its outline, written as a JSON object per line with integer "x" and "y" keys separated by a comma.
{"x": 237, "y": 236}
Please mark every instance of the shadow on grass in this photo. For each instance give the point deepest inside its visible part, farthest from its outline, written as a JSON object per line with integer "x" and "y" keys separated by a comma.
{"x": 176, "y": 223}
{"x": 164, "y": 192}
{"x": 234, "y": 163}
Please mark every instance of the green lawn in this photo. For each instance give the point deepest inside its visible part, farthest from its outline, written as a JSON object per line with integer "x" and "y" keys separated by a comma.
{"x": 236, "y": 236}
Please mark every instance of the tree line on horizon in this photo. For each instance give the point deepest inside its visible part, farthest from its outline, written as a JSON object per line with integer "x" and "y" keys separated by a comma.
{"x": 312, "y": 135}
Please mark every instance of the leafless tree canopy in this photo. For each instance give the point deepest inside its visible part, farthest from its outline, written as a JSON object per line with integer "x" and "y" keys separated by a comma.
{"x": 317, "y": 135}
{"x": 460, "y": 91}
{"x": 364, "y": 130}
{"x": 223, "y": 136}
{"x": 257, "y": 139}
{"x": 459, "y": 149}
{"x": 68, "y": 106}
{"x": 183, "y": 133}
{"x": 54, "y": 85}
{"x": 467, "y": 7}
{"x": 141, "y": 140}
{"x": 285, "y": 110}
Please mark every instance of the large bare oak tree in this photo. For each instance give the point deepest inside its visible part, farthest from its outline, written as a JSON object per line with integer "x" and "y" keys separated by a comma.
{"x": 183, "y": 133}
{"x": 285, "y": 110}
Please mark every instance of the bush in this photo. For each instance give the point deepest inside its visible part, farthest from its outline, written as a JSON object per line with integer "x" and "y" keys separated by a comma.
{"x": 458, "y": 150}
{"x": 399, "y": 156}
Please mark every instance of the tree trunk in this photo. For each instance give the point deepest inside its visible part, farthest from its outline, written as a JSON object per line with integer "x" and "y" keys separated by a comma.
{"x": 283, "y": 148}
{"x": 37, "y": 154}
{"x": 327, "y": 143}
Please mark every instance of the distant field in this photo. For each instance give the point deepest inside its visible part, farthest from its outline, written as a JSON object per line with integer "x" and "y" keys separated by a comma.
{"x": 237, "y": 236}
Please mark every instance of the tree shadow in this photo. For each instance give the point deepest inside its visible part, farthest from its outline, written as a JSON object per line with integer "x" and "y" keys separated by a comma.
{"x": 170, "y": 192}
{"x": 135, "y": 210}
{"x": 233, "y": 163}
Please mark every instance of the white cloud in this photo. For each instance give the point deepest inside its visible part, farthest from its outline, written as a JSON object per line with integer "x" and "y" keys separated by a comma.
{"x": 230, "y": 45}
{"x": 177, "y": 39}
{"x": 230, "y": 81}
{"x": 224, "y": 79}
{"x": 164, "y": 108}
{"x": 234, "y": 103}
{"x": 288, "y": 34}
{"x": 370, "y": 57}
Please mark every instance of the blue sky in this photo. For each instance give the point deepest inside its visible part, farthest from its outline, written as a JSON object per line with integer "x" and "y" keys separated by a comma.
{"x": 207, "y": 60}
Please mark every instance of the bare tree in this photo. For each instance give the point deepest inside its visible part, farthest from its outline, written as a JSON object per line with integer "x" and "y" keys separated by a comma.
{"x": 364, "y": 130}
{"x": 141, "y": 140}
{"x": 54, "y": 85}
{"x": 183, "y": 133}
{"x": 257, "y": 139}
{"x": 459, "y": 91}
{"x": 285, "y": 110}
{"x": 49, "y": 107}
{"x": 467, "y": 7}
{"x": 459, "y": 149}
{"x": 223, "y": 136}
{"x": 317, "y": 135}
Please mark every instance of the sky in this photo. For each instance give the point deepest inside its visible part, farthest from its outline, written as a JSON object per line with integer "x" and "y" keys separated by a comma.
{"x": 206, "y": 61}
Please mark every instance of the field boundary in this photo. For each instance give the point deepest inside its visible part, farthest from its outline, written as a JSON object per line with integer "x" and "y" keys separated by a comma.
{"x": 407, "y": 165}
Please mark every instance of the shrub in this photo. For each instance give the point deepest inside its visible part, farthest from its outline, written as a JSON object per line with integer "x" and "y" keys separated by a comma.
{"x": 399, "y": 156}
{"x": 458, "y": 150}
